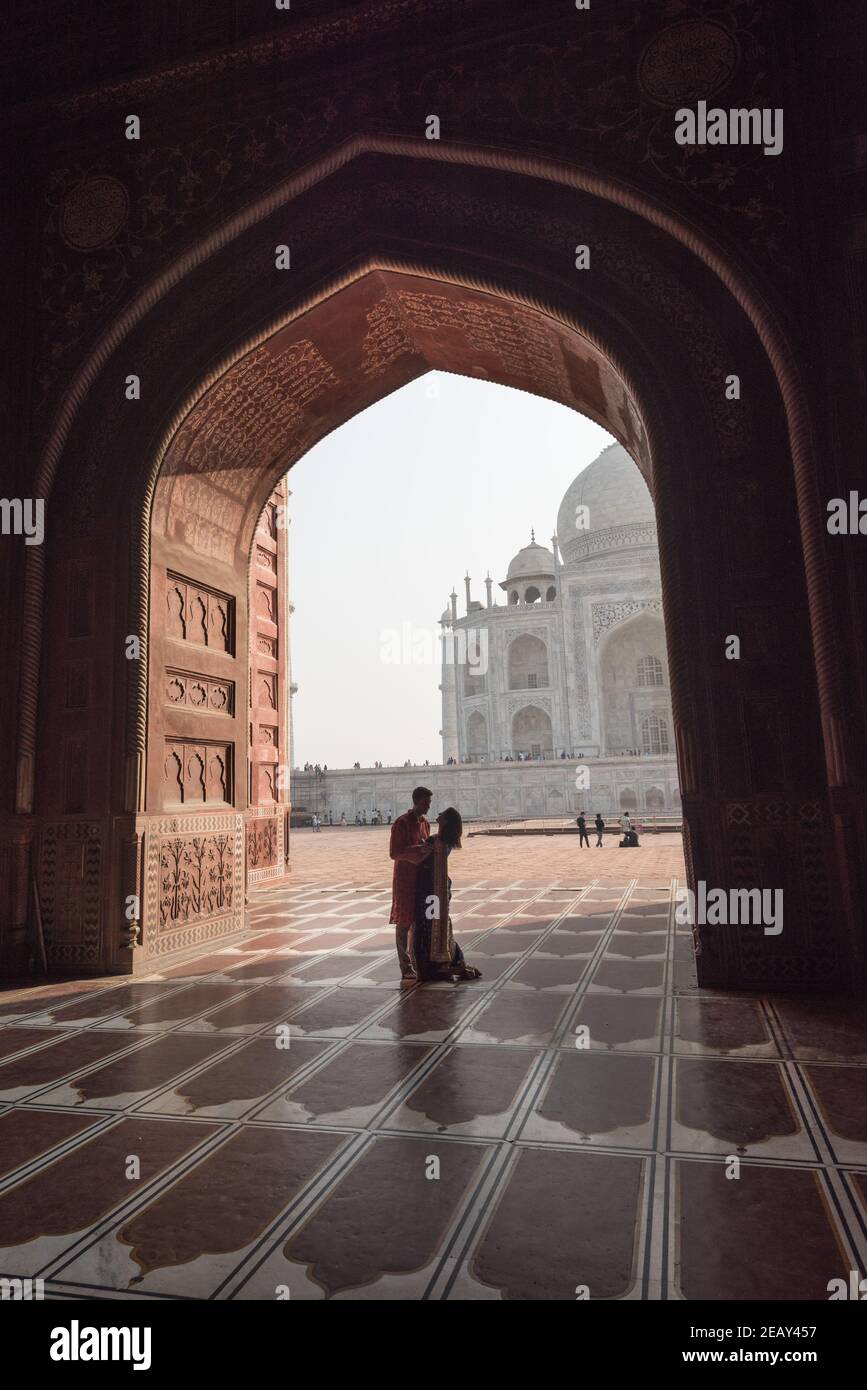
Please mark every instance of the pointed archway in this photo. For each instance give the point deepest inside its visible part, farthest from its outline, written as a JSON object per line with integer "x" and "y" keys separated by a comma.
{"x": 641, "y": 345}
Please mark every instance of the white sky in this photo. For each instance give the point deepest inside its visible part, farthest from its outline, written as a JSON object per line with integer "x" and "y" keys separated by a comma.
{"x": 387, "y": 514}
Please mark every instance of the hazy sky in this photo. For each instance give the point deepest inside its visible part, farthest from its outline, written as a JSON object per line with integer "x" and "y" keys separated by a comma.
{"x": 387, "y": 515}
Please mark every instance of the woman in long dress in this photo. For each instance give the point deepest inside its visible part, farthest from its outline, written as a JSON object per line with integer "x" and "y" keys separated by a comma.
{"x": 436, "y": 954}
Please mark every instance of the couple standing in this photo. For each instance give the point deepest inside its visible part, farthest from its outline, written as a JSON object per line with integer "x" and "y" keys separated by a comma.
{"x": 421, "y": 892}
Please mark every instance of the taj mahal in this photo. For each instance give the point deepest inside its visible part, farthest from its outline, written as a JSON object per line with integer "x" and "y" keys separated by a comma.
{"x": 555, "y": 699}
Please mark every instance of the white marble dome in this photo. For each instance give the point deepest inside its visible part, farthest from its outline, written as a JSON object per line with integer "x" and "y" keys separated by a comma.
{"x": 575, "y": 665}
{"x": 534, "y": 560}
{"x": 615, "y": 494}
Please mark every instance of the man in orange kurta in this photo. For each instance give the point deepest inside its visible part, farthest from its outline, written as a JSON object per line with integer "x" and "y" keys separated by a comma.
{"x": 407, "y": 848}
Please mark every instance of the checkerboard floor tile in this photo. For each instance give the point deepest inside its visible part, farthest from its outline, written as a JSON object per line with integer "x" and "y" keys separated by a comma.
{"x": 279, "y": 1112}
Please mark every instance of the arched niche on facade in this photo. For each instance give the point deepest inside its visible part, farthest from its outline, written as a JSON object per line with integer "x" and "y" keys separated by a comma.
{"x": 532, "y": 731}
{"x": 628, "y": 649}
{"x": 527, "y": 662}
{"x": 477, "y": 735}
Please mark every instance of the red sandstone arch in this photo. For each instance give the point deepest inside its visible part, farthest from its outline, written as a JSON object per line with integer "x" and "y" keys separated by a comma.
{"x": 166, "y": 478}
{"x": 762, "y": 315}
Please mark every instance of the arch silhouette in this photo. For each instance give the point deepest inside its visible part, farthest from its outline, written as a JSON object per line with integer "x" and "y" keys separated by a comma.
{"x": 765, "y": 318}
{"x": 645, "y": 418}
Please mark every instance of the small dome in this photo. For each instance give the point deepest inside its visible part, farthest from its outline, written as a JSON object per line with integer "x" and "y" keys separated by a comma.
{"x": 532, "y": 560}
{"x": 614, "y": 493}
{"x": 446, "y": 616}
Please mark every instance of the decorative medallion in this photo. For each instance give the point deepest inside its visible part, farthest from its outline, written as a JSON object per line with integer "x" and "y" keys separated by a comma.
{"x": 687, "y": 61}
{"x": 93, "y": 213}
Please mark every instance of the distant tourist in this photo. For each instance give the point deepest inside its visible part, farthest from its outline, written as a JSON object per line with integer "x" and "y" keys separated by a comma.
{"x": 583, "y": 837}
{"x": 342, "y": 817}
{"x": 600, "y": 827}
{"x": 315, "y": 823}
{"x": 406, "y": 848}
{"x": 630, "y": 835}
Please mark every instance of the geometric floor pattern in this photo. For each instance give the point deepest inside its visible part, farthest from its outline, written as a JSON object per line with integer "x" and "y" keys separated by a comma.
{"x": 278, "y": 1119}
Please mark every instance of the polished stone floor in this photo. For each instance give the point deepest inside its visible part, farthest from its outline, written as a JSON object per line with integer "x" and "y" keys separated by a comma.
{"x": 278, "y": 1117}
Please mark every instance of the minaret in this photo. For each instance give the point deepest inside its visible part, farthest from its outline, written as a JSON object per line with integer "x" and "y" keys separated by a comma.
{"x": 555, "y": 547}
{"x": 453, "y": 599}
{"x": 488, "y": 582}
{"x": 564, "y": 674}
{"x": 467, "y": 583}
{"x": 449, "y": 730}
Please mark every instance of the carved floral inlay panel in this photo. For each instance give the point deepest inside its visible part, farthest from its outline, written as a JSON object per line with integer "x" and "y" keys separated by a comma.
{"x": 196, "y": 878}
{"x": 262, "y": 844}
{"x": 608, "y": 615}
{"x": 191, "y": 691}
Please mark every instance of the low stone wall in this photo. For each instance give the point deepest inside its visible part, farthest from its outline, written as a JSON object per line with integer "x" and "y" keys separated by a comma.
{"x": 498, "y": 791}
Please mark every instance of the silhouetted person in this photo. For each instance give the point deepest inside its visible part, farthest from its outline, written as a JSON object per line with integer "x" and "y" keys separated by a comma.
{"x": 409, "y": 835}
{"x": 583, "y": 837}
{"x": 600, "y": 826}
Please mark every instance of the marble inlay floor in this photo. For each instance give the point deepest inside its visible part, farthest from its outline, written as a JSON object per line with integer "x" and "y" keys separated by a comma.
{"x": 277, "y": 1115}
